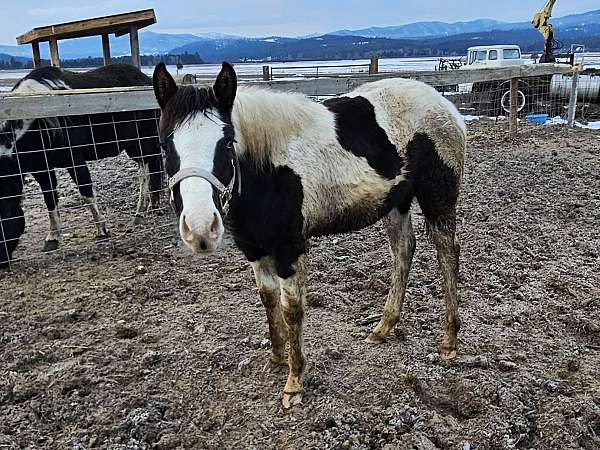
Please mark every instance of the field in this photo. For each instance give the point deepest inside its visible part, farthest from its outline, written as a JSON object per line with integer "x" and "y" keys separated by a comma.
{"x": 140, "y": 345}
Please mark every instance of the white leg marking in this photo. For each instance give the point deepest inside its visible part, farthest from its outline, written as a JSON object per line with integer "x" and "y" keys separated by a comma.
{"x": 55, "y": 225}
{"x": 97, "y": 216}
{"x": 143, "y": 199}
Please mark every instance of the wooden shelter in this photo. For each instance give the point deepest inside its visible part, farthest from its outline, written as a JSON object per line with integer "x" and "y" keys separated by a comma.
{"x": 118, "y": 24}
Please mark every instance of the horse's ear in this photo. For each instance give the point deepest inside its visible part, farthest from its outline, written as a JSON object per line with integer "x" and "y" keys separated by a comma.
{"x": 226, "y": 86}
{"x": 164, "y": 85}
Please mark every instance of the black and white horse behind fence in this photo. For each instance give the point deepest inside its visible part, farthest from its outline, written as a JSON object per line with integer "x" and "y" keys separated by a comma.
{"x": 39, "y": 146}
{"x": 279, "y": 168}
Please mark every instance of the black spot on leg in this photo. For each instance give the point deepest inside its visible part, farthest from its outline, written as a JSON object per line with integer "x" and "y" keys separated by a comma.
{"x": 359, "y": 133}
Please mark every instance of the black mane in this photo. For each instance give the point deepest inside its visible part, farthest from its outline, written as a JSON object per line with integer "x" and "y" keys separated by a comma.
{"x": 113, "y": 75}
{"x": 186, "y": 103}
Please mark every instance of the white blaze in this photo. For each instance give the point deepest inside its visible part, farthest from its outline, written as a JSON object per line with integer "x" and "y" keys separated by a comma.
{"x": 195, "y": 142}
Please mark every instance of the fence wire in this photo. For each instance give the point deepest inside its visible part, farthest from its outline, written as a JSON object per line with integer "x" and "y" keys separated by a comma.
{"x": 117, "y": 150}
{"x": 95, "y": 142}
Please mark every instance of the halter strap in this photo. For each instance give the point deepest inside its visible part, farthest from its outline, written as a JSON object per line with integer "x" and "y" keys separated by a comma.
{"x": 225, "y": 192}
{"x": 195, "y": 172}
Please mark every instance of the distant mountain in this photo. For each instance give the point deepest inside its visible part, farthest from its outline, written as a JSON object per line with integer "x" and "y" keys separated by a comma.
{"x": 151, "y": 43}
{"x": 439, "y": 29}
{"x": 358, "y": 47}
{"x": 424, "y": 29}
{"x": 5, "y": 57}
{"x": 414, "y": 39}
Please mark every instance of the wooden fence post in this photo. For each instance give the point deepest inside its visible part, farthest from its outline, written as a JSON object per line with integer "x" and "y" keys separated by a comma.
{"x": 374, "y": 65}
{"x": 266, "y": 73}
{"x": 514, "y": 108}
{"x": 573, "y": 99}
{"x": 54, "y": 58}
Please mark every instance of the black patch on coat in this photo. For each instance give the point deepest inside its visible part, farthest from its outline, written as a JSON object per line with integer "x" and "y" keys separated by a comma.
{"x": 267, "y": 219}
{"x": 359, "y": 133}
{"x": 433, "y": 182}
{"x": 113, "y": 75}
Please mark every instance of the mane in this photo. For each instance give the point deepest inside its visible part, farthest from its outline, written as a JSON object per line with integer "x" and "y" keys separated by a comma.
{"x": 265, "y": 122}
{"x": 186, "y": 104}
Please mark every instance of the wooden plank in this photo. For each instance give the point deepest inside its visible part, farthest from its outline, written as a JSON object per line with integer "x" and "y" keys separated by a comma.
{"x": 35, "y": 50}
{"x": 92, "y": 101}
{"x": 75, "y": 103}
{"x": 54, "y": 59}
{"x": 89, "y": 27}
{"x": 134, "y": 43}
{"x": 105, "y": 49}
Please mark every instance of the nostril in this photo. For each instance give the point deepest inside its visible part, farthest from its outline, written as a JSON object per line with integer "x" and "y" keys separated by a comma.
{"x": 203, "y": 245}
{"x": 185, "y": 229}
{"x": 214, "y": 228}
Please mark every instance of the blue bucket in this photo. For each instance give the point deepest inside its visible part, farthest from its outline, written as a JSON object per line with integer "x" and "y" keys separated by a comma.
{"x": 537, "y": 118}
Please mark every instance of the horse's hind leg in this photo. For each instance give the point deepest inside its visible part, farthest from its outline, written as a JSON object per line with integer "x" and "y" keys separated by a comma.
{"x": 269, "y": 292}
{"x": 436, "y": 187}
{"x": 402, "y": 246}
{"x": 48, "y": 184}
{"x": 81, "y": 176}
{"x": 144, "y": 180}
{"x": 443, "y": 235}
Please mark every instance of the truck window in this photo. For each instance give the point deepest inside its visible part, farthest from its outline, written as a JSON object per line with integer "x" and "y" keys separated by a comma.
{"x": 493, "y": 56}
{"x": 481, "y": 55}
{"x": 471, "y": 57}
{"x": 511, "y": 53}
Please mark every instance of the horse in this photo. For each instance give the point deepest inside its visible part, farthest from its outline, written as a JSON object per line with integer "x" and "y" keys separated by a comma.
{"x": 277, "y": 169}
{"x": 39, "y": 146}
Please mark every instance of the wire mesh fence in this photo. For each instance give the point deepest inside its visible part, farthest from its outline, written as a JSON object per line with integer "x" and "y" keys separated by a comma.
{"x": 71, "y": 184}
{"x": 74, "y": 185}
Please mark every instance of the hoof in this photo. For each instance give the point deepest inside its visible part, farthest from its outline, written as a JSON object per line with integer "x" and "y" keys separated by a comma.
{"x": 448, "y": 355}
{"x": 102, "y": 237}
{"x": 139, "y": 220}
{"x": 375, "y": 339}
{"x": 50, "y": 246}
{"x": 292, "y": 399}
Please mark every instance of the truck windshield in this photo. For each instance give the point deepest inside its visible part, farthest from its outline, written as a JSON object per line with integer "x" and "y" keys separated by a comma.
{"x": 511, "y": 53}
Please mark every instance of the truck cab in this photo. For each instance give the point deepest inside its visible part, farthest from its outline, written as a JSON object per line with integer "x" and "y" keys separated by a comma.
{"x": 494, "y": 56}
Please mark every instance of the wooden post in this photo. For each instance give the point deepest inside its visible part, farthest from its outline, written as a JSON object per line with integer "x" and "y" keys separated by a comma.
{"x": 266, "y": 73}
{"x": 35, "y": 49}
{"x": 54, "y": 59}
{"x": 106, "y": 49}
{"x": 374, "y": 65}
{"x": 135, "y": 46}
{"x": 573, "y": 99}
{"x": 514, "y": 100}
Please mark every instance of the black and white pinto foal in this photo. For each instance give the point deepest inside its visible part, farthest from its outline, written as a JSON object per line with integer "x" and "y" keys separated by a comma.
{"x": 286, "y": 168}
{"x": 39, "y": 146}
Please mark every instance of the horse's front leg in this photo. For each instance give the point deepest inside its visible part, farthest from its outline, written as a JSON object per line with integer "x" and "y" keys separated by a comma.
{"x": 269, "y": 292}
{"x": 293, "y": 293}
{"x": 48, "y": 185}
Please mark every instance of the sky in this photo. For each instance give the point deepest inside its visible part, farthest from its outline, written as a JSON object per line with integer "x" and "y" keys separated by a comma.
{"x": 271, "y": 17}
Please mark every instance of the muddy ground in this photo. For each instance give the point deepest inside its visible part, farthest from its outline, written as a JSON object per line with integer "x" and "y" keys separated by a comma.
{"x": 137, "y": 344}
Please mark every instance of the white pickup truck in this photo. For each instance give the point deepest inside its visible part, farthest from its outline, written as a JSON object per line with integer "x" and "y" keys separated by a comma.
{"x": 494, "y": 56}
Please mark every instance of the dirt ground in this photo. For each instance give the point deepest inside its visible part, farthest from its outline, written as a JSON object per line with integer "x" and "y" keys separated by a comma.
{"x": 137, "y": 344}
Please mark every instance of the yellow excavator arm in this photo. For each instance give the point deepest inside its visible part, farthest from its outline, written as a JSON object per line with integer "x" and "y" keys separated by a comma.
{"x": 541, "y": 23}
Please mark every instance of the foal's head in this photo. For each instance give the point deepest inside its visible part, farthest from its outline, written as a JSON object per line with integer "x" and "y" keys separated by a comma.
{"x": 198, "y": 140}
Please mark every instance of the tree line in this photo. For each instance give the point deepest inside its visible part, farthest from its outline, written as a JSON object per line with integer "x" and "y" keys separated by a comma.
{"x": 146, "y": 60}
